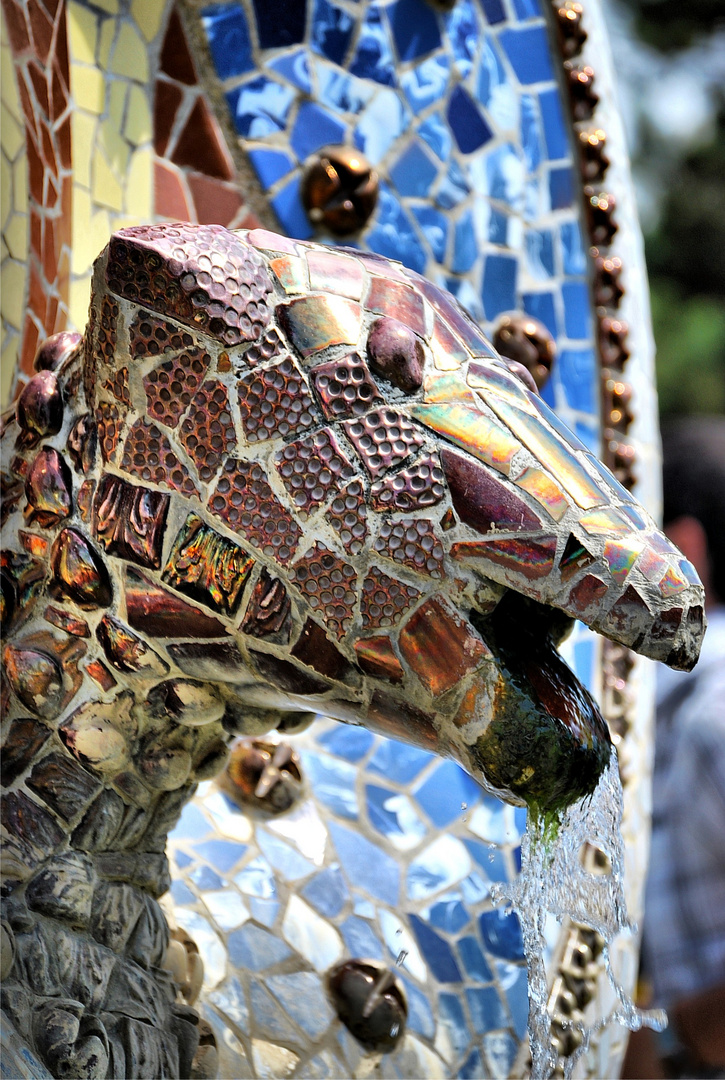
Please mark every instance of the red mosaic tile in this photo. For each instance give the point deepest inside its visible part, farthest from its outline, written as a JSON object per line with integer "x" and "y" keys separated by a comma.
{"x": 244, "y": 499}
{"x": 207, "y": 433}
{"x": 412, "y": 542}
{"x": 200, "y": 145}
{"x": 311, "y": 469}
{"x": 585, "y": 596}
{"x": 346, "y": 388}
{"x": 383, "y": 439}
{"x": 176, "y": 61}
{"x": 269, "y": 609}
{"x": 166, "y": 102}
{"x": 348, "y": 516}
{"x": 148, "y": 454}
{"x": 384, "y": 601}
{"x": 215, "y": 202}
{"x": 532, "y": 558}
{"x": 162, "y": 614}
{"x": 376, "y": 657}
{"x": 171, "y": 386}
{"x": 170, "y": 197}
{"x": 328, "y": 584}
{"x": 275, "y": 402}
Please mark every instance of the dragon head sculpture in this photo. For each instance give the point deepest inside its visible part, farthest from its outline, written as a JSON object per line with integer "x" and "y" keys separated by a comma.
{"x": 275, "y": 479}
{"x": 321, "y": 488}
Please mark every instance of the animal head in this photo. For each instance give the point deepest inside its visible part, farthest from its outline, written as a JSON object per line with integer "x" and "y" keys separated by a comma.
{"x": 321, "y": 490}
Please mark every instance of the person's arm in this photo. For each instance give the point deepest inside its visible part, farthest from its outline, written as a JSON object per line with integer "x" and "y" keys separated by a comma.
{"x": 700, "y": 1024}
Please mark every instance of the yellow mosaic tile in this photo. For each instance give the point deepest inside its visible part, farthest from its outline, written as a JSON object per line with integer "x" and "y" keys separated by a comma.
{"x": 15, "y": 234}
{"x": 6, "y": 190}
{"x": 108, "y": 32}
{"x": 148, "y": 15}
{"x": 13, "y": 218}
{"x": 110, "y": 6}
{"x": 83, "y": 129}
{"x": 130, "y": 57}
{"x": 89, "y": 88}
{"x": 138, "y": 127}
{"x": 7, "y": 366}
{"x": 114, "y": 146}
{"x": 107, "y": 189}
{"x": 79, "y": 295}
{"x": 91, "y": 229}
{"x": 116, "y": 102}
{"x": 140, "y": 186}
{"x": 82, "y": 33}
{"x": 20, "y": 184}
{"x": 13, "y": 136}
{"x": 12, "y": 283}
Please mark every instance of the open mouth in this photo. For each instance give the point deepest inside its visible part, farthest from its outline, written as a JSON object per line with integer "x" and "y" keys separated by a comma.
{"x": 547, "y": 742}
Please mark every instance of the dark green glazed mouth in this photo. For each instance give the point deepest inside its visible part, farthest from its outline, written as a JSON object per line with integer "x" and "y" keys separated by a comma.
{"x": 547, "y": 743}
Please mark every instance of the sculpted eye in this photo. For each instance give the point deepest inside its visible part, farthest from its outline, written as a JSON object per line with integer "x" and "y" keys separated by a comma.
{"x": 396, "y": 354}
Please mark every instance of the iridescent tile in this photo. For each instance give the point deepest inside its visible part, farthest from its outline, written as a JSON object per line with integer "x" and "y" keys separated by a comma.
{"x": 546, "y": 491}
{"x": 376, "y": 656}
{"x": 672, "y": 582}
{"x": 481, "y": 499}
{"x": 290, "y": 273}
{"x": 390, "y": 297}
{"x": 334, "y": 273}
{"x": 472, "y": 431}
{"x": 605, "y": 522}
{"x": 574, "y": 558}
{"x": 269, "y": 241}
{"x": 552, "y": 453}
{"x": 440, "y": 646}
{"x": 639, "y": 518}
{"x": 316, "y": 322}
{"x": 652, "y": 564}
{"x": 533, "y": 559}
{"x": 621, "y": 555}
{"x": 448, "y": 353}
{"x": 496, "y": 380}
{"x": 689, "y": 572}
{"x": 450, "y": 388}
{"x": 208, "y": 567}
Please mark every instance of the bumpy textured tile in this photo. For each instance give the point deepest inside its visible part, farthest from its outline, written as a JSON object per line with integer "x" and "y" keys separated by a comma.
{"x": 329, "y": 586}
{"x": 383, "y": 438}
{"x": 147, "y": 454}
{"x": 413, "y": 542}
{"x": 311, "y": 469}
{"x": 413, "y": 487}
{"x": 207, "y": 432}
{"x": 275, "y": 402}
{"x": 244, "y": 499}
{"x": 346, "y": 388}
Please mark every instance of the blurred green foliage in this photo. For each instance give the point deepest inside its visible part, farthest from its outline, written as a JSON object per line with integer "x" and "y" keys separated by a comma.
{"x": 686, "y": 249}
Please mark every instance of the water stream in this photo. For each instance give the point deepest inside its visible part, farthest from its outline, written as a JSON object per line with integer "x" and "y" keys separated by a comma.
{"x": 556, "y": 879}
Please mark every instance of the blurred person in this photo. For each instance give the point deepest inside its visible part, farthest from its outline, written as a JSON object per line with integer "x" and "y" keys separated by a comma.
{"x": 683, "y": 957}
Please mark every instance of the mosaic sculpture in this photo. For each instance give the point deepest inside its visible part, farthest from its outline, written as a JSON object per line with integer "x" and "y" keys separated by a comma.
{"x": 273, "y": 479}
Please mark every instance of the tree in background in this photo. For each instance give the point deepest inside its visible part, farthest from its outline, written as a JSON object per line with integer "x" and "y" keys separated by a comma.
{"x": 682, "y": 173}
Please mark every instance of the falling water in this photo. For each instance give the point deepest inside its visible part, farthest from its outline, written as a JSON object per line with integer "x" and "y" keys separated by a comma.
{"x": 554, "y": 879}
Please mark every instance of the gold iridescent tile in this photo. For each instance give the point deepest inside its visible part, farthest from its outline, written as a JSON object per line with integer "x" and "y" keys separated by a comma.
{"x": 438, "y": 389}
{"x": 376, "y": 656}
{"x": 496, "y": 381}
{"x": 532, "y": 558}
{"x": 620, "y": 556}
{"x": 551, "y": 452}
{"x": 652, "y": 564}
{"x": 448, "y": 352}
{"x": 689, "y": 572}
{"x": 290, "y": 273}
{"x": 605, "y": 522}
{"x": 335, "y": 273}
{"x": 316, "y": 322}
{"x": 472, "y": 430}
{"x": 672, "y": 582}
{"x": 269, "y": 241}
{"x": 440, "y": 646}
{"x": 547, "y": 493}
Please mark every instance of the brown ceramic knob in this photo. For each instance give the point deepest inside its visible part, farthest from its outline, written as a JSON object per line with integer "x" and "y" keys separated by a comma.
{"x": 264, "y": 775}
{"x": 370, "y": 1002}
{"x": 580, "y": 82}
{"x": 613, "y": 342}
{"x": 600, "y": 206}
{"x": 40, "y": 408}
{"x": 339, "y": 190}
{"x": 55, "y": 350}
{"x": 594, "y": 162}
{"x": 608, "y": 291}
{"x": 572, "y": 35}
{"x": 526, "y": 342}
